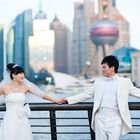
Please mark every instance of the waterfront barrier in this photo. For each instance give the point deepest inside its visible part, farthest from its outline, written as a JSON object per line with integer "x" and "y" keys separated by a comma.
{"x": 75, "y": 129}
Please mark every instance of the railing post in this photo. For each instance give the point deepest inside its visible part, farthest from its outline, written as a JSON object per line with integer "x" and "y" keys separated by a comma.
{"x": 91, "y": 131}
{"x": 53, "y": 125}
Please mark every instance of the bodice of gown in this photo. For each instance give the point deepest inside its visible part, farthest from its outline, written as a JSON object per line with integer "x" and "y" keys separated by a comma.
{"x": 14, "y": 100}
{"x": 15, "y": 103}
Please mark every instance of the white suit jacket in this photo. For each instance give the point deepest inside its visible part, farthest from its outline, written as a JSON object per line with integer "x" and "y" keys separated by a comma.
{"x": 124, "y": 89}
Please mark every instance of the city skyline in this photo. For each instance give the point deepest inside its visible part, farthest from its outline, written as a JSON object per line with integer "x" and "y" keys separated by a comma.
{"x": 65, "y": 9}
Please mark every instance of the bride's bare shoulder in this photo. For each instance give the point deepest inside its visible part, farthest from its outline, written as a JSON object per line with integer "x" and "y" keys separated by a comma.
{"x": 5, "y": 87}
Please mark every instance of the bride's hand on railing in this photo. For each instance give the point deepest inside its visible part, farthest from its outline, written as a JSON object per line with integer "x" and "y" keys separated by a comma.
{"x": 62, "y": 101}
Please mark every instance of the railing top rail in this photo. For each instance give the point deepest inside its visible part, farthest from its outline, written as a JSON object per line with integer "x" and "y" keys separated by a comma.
{"x": 53, "y": 106}
{"x": 78, "y": 106}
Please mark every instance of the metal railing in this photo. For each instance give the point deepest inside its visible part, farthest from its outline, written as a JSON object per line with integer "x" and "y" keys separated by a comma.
{"x": 52, "y": 109}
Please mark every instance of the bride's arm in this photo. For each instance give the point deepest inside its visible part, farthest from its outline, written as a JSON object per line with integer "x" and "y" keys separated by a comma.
{"x": 46, "y": 97}
{"x": 34, "y": 89}
{"x": 1, "y": 91}
{"x": 2, "y": 83}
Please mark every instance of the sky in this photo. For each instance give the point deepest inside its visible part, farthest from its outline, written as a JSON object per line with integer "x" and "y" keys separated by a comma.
{"x": 64, "y": 9}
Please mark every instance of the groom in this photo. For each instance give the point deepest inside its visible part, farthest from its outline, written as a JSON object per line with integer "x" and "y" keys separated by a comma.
{"x": 111, "y": 116}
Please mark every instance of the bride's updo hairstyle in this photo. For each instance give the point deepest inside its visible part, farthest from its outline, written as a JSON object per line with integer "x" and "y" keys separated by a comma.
{"x": 14, "y": 69}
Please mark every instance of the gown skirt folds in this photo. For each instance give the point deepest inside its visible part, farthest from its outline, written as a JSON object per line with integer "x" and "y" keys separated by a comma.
{"x": 15, "y": 124}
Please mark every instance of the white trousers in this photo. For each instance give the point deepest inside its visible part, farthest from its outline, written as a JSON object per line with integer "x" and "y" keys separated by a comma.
{"x": 108, "y": 124}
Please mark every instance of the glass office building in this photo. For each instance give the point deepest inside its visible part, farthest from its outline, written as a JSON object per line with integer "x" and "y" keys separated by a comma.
{"x": 1, "y": 51}
{"x": 22, "y": 31}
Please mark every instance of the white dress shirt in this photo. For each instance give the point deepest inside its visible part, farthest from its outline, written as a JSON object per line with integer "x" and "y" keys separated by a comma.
{"x": 109, "y": 99}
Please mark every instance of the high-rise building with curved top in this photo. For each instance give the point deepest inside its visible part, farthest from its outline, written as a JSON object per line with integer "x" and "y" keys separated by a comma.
{"x": 41, "y": 44}
{"x": 61, "y": 46}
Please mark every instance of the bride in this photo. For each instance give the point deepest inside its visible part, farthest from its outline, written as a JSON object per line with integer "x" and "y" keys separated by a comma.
{"x": 15, "y": 125}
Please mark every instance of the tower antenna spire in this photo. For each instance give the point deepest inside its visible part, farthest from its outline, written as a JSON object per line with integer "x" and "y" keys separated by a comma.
{"x": 40, "y": 5}
{"x": 114, "y": 3}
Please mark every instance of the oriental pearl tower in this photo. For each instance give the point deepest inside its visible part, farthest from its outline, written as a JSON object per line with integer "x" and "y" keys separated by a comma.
{"x": 104, "y": 31}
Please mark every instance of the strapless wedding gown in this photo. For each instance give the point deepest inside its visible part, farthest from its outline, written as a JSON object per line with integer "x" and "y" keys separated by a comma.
{"x": 15, "y": 124}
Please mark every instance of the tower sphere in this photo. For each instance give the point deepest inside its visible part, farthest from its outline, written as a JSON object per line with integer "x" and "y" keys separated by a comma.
{"x": 104, "y": 31}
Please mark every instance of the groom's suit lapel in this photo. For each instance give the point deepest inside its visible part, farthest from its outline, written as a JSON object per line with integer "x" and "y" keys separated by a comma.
{"x": 119, "y": 84}
{"x": 101, "y": 88}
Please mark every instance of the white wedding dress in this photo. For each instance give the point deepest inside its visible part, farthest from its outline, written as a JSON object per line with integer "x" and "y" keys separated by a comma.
{"x": 15, "y": 124}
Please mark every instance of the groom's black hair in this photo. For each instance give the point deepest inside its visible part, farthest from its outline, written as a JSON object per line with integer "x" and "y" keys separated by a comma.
{"x": 111, "y": 61}
{"x": 14, "y": 69}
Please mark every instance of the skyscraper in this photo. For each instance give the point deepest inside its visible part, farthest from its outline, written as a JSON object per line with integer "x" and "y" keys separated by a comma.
{"x": 114, "y": 3}
{"x": 62, "y": 36}
{"x": 1, "y": 51}
{"x": 41, "y": 44}
{"x": 135, "y": 68}
{"x": 22, "y": 31}
{"x": 79, "y": 46}
{"x": 81, "y": 23}
{"x": 10, "y": 43}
